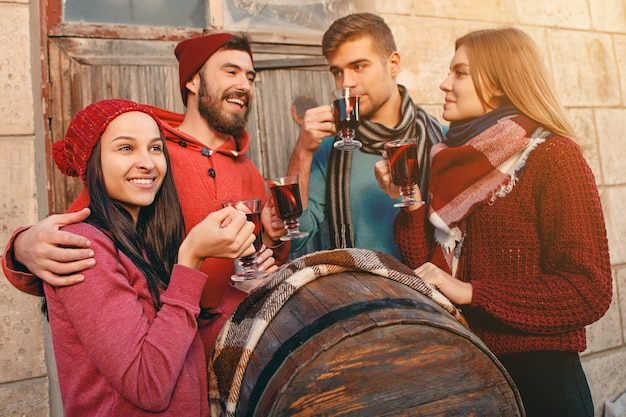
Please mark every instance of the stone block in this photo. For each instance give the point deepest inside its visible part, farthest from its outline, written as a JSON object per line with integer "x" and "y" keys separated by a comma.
{"x": 484, "y": 10}
{"x": 621, "y": 290}
{"x": 26, "y": 398}
{"x": 614, "y": 205}
{"x": 556, "y": 13}
{"x": 583, "y": 124}
{"x": 426, "y": 54}
{"x": 608, "y": 15}
{"x": 395, "y": 7}
{"x": 620, "y": 56}
{"x": 584, "y": 68}
{"x": 610, "y": 124}
{"x": 21, "y": 335}
{"x": 606, "y": 333}
{"x": 16, "y": 106}
{"x": 18, "y": 204}
{"x": 606, "y": 375}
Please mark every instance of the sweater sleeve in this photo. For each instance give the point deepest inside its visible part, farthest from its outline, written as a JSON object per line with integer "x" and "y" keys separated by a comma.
{"x": 571, "y": 286}
{"x": 17, "y": 274}
{"x": 411, "y": 231}
{"x": 140, "y": 355}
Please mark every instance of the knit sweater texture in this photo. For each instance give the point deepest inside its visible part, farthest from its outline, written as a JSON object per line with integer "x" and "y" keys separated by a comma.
{"x": 538, "y": 258}
{"x": 115, "y": 355}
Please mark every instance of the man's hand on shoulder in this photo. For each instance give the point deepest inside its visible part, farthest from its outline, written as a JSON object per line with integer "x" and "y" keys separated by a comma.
{"x": 53, "y": 255}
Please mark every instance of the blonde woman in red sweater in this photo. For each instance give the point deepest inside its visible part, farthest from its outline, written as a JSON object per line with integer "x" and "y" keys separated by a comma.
{"x": 513, "y": 231}
{"x": 126, "y": 339}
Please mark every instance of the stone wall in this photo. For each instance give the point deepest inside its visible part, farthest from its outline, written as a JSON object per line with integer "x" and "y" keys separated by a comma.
{"x": 583, "y": 41}
{"x": 23, "y": 373}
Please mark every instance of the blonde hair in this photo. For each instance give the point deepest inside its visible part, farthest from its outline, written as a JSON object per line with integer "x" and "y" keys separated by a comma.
{"x": 508, "y": 59}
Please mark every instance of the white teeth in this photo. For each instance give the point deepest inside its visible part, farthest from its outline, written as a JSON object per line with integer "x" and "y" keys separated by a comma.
{"x": 142, "y": 181}
{"x": 236, "y": 101}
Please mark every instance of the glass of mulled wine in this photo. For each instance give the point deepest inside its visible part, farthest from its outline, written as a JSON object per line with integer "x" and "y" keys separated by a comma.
{"x": 248, "y": 264}
{"x": 286, "y": 194}
{"x": 405, "y": 172}
{"x": 346, "y": 114}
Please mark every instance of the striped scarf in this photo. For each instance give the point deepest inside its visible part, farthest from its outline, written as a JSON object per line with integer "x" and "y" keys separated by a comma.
{"x": 415, "y": 123}
{"x": 477, "y": 172}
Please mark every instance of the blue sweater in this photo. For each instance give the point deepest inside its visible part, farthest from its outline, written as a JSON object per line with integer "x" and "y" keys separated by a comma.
{"x": 372, "y": 210}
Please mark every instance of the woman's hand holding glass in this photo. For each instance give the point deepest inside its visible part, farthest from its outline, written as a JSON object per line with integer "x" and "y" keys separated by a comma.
{"x": 382, "y": 172}
{"x": 248, "y": 265}
{"x": 222, "y": 234}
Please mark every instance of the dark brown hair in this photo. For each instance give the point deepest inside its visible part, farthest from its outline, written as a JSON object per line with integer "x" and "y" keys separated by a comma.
{"x": 355, "y": 26}
{"x": 159, "y": 231}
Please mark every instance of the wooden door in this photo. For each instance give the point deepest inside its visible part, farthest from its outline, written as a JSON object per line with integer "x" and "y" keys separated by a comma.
{"x": 85, "y": 70}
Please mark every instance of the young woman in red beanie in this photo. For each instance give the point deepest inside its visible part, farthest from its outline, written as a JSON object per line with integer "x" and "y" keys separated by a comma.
{"x": 514, "y": 231}
{"x": 208, "y": 146}
{"x": 126, "y": 339}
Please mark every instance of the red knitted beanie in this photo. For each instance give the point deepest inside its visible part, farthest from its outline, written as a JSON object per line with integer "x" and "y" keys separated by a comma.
{"x": 193, "y": 53}
{"x": 72, "y": 153}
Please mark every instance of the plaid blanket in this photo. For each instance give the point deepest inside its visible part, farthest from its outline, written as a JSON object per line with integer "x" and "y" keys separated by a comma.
{"x": 247, "y": 324}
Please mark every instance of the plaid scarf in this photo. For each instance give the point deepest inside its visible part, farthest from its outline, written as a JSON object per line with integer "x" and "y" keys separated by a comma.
{"x": 241, "y": 333}
{"x": 415, "y": 123}
{"x": 477, "y": 172}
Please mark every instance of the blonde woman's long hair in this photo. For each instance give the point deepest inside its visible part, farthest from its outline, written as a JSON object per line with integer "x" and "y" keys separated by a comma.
{"x": 508, "y": 59}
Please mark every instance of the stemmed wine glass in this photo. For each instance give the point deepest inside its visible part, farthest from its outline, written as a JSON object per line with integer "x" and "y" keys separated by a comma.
{"x": 286, "y": 193}
{"x": 405, "y": 172}
{"x": 346, "y": 114}
{"x": 249, "y": 266}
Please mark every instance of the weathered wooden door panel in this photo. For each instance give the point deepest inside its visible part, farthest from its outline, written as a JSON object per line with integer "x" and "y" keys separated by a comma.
{"x": 84, "y": 70}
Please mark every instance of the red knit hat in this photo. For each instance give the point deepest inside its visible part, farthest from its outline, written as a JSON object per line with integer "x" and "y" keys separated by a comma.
{"x": 72, "y": 153}
{"x": 193, "y": 53}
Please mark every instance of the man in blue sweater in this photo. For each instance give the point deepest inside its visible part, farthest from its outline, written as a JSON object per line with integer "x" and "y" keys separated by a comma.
{"x": 338, "y": 187}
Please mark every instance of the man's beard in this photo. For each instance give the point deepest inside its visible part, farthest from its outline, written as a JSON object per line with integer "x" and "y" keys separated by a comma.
{"x": 210, "y": 108}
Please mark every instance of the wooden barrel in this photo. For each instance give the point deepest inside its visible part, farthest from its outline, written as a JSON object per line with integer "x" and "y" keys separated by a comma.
{"x": 360, "y": 344}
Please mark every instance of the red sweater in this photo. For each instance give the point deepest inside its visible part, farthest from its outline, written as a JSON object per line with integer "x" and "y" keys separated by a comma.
{"x": 115, "y": 355}
{"x": 204, "y": 179}
{"x": 538, "y": 258}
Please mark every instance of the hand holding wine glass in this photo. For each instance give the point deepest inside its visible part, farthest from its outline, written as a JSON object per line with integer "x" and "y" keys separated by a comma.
{"x": 405, "y": 172}
{"x": 346, "y": 114}
{"x": 286, "y": 194}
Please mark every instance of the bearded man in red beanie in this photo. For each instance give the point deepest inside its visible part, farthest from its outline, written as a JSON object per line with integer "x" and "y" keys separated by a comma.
{"x": 207, "y": 147}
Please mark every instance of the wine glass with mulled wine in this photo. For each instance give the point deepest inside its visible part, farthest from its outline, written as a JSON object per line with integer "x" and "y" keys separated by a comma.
{"x": 405, "y": 172}
{"x": 286, "y": 194}
{"x": 248, "y": 264}
{"x": 346, "y": 114}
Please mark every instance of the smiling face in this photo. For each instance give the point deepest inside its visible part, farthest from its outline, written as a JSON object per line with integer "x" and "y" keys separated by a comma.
{"x": 225, "y": 90}
{"x": 357, "y": 64}
{"x": 133, "y": 160}
{"x": 462, "y": 101}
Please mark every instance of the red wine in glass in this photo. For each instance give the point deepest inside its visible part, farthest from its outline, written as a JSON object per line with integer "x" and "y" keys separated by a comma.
{"x": 346, "y": 115}
{"x": 258, "y": 233}
{"x": 286, "y": 194}
{"x": 405, "y": 173}
{"x": 287, "y": 198}
{"x": 249, "y": 266}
